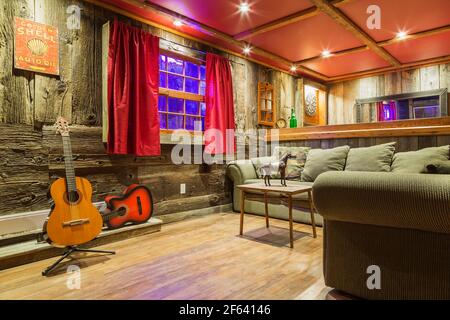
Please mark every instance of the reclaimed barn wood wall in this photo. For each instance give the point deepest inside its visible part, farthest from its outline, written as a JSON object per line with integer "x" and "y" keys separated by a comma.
{"x": 342, "y": 95}
{"x": 30, "y": 151}
{"x": 403, "y": 144}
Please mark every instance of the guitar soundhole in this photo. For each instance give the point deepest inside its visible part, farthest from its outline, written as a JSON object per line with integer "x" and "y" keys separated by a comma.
{"x": 73, "y": 196}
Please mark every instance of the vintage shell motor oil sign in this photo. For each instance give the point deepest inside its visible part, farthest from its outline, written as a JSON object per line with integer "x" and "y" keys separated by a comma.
{"x": 36, "y": 47}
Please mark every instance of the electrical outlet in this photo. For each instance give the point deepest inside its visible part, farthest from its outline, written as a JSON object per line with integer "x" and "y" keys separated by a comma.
{"x": 182, "y": 188}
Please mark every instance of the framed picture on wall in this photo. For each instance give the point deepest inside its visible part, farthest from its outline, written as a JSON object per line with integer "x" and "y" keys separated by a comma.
{"x": 314, "y": 101}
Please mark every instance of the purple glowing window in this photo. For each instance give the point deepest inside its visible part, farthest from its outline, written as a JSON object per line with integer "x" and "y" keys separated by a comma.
{"x": 162, "y": 62}
{"x": 163, "y": 120}
{"x": 192, "y": 70}
{"x": 175, "y": 82}
{"x": 162, "y": 103}
{"x": 194, "y": 123}
{"x": 192, "y": 107}
{"x": 176, "y": 111}
{"x": 202, "y": 72}
{"x": 176, "y": 105}
{"x": 163, "y": 80}
{"x": 174, "y": 65}
{"x": 202, "y": 88}
{"x": 175, "y": 122}
{"x": 191, "y": 85}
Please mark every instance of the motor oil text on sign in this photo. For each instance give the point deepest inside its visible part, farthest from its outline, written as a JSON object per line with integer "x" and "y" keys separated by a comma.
{"x": 36, "y": 47}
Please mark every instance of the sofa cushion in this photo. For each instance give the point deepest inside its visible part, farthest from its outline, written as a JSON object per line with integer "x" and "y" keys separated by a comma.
{"x": 301, "y": 196}
{"x": 294, "y": 166}
{"x": 322, "y": 160}
{"x": 261, "y": 161}
{"x": 416, "y": 161}
{"x": 376, "y": 158}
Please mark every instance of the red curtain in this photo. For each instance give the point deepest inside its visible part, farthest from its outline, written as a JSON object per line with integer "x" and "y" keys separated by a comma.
{"x": 393, "y": 110}
{"x": 133, "y": 82}
{"x": 219, "y": 120}
{"x": 380, "y": 109}
{"x": 383, "y": 115}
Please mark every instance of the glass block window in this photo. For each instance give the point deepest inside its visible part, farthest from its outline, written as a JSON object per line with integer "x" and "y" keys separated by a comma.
{"x": 182, "y": 93}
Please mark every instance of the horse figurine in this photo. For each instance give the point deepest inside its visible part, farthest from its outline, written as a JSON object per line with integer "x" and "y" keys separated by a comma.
{"x": 279, "y": 166}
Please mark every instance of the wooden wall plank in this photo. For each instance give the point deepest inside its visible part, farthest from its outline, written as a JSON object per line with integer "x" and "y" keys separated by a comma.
{"x": 16, "y": 86}
{"x": 410, "y": 80}
{"x": 83, "y": 57}
{"x": 429, "y": 78}
{"x": 351, "y": 93}
{"x": 393, "y": 83}
{"x": 53, "y": 95}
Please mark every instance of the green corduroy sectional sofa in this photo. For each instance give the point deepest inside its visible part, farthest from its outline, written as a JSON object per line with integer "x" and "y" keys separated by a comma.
{"x": 379, "y": 209}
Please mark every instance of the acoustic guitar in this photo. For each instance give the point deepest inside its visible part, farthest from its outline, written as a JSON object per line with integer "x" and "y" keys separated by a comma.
{"x": 134, "y": 206}
{"x": 73, "y": 219}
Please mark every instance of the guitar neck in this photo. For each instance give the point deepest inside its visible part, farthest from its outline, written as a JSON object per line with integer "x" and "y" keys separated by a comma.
{"x": 112, "y": 214}
{"x": 68, "y": 163}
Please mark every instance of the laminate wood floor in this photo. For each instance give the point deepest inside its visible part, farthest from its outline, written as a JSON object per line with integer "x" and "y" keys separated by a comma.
{"x": 202, "y": 258}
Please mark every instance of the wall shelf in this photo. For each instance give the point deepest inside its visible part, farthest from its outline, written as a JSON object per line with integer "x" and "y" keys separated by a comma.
{"x": 402, "y": 128}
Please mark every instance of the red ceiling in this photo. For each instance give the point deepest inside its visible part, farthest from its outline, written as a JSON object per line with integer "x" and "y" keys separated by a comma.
{"x": 422, "y": 48}
{"x": 400, "y": 15}
{"x": 353, "y": 62}
{"x": 309, "y": 37}
{"x": 306, "y": 38}
{"x": 224, "y": 16}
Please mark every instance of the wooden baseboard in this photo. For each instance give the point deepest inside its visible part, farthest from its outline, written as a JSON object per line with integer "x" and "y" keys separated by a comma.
{"x": 30, "y": 251}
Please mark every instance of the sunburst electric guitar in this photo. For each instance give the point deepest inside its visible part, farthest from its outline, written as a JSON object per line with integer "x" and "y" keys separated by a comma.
{"x": 73, "y": 219}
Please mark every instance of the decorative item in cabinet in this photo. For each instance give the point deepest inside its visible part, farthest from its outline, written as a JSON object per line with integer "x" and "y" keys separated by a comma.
{"x": 266, "y": 105}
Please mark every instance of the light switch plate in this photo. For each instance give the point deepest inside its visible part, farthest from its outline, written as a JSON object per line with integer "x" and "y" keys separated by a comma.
{"x": 182, "y": 188}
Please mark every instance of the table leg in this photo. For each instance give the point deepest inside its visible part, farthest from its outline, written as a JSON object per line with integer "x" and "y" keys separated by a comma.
{"x": 311, "y": 208}
{"x": 291, "y": 229}
{"x": 241, "y": 230}
{"x": 267, "y": 209}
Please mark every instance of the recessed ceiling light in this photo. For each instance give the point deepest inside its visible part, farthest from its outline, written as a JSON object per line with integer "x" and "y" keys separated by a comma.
{"x": 326, "y": 53}
{"x": 247, "y": 50}
{"x": 177, "y": 23}
{"x": 293, "y": 68}
{"x": 401, "y": 35}
{"x": 244, "y": 7}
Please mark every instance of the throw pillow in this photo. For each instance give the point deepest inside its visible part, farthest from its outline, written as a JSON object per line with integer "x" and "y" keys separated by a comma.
{"x": 416, "y": 161}
{"x": 262, "y": 161}
{"x": 376, "y": 158}
{"x": 294, "y": 166}
{"x": 322, "y": 160}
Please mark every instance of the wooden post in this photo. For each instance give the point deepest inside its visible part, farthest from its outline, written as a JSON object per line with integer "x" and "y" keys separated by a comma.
{"x": 311, "y": 208}
{"x": 267, "y": 209}
{"x": 291, "y": 231}
{"x": 241, "y": 230}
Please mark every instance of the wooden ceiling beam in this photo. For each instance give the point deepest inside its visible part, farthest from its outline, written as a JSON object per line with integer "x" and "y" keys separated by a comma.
{"x": 334, "y": 54}
{"x": 225, "y": 37}
{"x": 359, "y": 33}
{"x": 284, "y": 21}
{"x": 384, "y": 43}
{"x": 209, "y": 31}
{"x": 403, "y": 67}
{"x": 417, "y": 35}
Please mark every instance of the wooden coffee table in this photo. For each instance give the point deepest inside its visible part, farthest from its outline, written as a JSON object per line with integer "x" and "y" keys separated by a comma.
{"x": 281, "y": 192}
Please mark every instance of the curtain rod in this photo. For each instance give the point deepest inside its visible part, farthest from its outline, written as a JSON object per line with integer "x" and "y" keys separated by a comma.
{"x": 199, "y": 51}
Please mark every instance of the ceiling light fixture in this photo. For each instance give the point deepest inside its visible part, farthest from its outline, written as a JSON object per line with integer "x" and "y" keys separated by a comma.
{"x": 401, "y": 35}
{"x": 247, "y": 50}
{"x": 244, "y": 7}
{"x": 177, "y": 23}
{"x": 326, "y": 53}
{"x": 293, "y": 68}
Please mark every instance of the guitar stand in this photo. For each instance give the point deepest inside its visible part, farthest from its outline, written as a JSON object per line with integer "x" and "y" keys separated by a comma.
{"x": 69, "y": 250}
